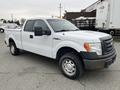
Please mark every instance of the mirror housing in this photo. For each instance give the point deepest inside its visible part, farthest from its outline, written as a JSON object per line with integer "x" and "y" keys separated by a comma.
{"x": 39, "y": 31}
{"x": 47, "y": 32}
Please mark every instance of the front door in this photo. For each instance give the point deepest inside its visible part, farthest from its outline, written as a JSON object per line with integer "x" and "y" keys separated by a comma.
{"x": 43, "y": 44}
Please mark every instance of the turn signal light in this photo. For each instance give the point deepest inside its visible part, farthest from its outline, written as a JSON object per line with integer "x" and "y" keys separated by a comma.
{"x": 87, "y": 47}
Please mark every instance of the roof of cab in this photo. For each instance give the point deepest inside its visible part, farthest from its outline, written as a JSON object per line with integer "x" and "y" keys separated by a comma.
{"x": 41, "y": 18}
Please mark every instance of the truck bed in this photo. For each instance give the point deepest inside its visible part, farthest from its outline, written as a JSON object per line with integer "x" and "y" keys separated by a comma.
{"x": 14, "y": 34}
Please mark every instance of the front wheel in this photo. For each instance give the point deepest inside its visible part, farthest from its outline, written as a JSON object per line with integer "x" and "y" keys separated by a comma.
{"x": 13, "y": 49}
{"x": 71, "y": 66}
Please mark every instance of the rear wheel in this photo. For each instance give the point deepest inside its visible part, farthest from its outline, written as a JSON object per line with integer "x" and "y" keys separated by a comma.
{"x": 71, "y": 66}
{"x": 13, "y": 49}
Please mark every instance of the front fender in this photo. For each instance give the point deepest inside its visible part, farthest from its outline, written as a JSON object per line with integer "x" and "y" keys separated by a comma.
{"x": 70, "y": 44}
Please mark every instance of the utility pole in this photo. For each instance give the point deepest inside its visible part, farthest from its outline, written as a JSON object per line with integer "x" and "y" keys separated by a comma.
{"x": 60, "y": 7}
{"x": 12, "y": 17}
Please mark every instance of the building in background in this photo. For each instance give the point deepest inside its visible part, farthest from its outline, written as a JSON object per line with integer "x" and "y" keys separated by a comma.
{"x": 85, "y": 19}
{"x": 90, "y": 11}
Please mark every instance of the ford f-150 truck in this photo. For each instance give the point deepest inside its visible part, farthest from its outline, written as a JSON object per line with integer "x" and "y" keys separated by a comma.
{"x": 60, "y": 40}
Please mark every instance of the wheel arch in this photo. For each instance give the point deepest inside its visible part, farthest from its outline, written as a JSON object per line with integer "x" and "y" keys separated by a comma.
{"x": 64, "y": 50}
{"x": 11, "y": 40}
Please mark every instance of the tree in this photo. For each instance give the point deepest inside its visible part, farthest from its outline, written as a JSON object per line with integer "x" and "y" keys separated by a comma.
{"x": 17, "y": 22}
{"x": 3, "y": 20}
{"x": 22, "y": 21}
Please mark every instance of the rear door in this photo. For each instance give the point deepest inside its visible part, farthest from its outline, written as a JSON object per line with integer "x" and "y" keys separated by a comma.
{"x": 28, "y": 36}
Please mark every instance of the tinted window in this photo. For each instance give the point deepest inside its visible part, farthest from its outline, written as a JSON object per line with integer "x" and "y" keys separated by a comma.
{"x": 61, "y": 25}
{"x": 29, "y": 26}
{"x": 42, "y": 24}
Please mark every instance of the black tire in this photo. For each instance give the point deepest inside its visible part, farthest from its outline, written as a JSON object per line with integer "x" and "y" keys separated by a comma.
{"x": 13, "y": 49}
{"x": 77, "y": 62}
{"x": 2, "y": 30}
{"x": 112, "y": 32}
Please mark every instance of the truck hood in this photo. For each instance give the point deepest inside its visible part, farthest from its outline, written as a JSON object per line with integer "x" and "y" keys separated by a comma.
{"x": 90, "y": 34}
{"x": 85, "y": 35}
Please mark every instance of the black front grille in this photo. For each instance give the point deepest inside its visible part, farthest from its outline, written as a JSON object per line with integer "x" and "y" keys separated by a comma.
{"x": 107, "y": 45}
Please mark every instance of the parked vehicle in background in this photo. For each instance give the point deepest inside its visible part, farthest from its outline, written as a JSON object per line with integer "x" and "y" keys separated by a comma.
{"x": 105, "y": 18}
{"x": 108, "y": 16}
{"x": 59, "y": 39}
{"x": 5, "y": 26}
{"x": 2, "y": 28}
{"x": 85, "y": 23}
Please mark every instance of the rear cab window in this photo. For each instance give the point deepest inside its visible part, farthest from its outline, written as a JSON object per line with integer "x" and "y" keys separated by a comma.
{"x": 29, "y": 26}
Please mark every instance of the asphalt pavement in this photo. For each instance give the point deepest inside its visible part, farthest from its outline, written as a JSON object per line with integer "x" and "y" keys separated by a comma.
{"x": 33, "y": 72}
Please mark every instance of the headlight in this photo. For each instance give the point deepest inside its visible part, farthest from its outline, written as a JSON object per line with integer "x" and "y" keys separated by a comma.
{"x": 93, "y": 47}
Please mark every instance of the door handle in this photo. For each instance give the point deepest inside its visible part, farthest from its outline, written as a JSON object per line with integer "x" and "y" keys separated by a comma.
{"x": 31, "y": 36}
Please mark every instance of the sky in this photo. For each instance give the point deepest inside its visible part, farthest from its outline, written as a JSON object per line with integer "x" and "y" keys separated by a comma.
{"x": 39, "y": 8}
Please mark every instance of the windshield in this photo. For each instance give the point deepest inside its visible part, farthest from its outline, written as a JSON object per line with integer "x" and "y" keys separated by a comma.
{"x": 60, "y": 25}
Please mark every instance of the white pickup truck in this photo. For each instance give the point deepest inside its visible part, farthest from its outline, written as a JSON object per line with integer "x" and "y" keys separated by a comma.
{"x": 59, "y": 39}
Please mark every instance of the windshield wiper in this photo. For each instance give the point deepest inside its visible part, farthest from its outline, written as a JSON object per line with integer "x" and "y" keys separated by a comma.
{"x": 62, "y": 30}
{"x": 77, "y": 29}
{"x": 67, "y": 30}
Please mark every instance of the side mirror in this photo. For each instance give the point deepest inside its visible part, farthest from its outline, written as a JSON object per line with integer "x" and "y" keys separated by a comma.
{"x": 47, "y": 32}
{"x": 38, "y": 31}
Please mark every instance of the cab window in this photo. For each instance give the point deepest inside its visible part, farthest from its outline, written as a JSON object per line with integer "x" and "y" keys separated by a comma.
{"x": 29, "y": 26}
